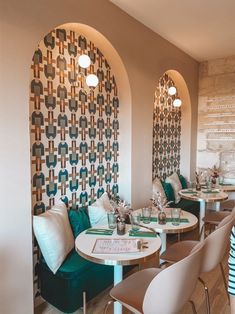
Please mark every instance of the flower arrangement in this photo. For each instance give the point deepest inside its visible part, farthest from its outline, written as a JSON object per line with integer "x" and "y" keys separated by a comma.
{"x": 215, "y": 171}
{"x": 122, "y": 209}
{"x": 159, "y": 201}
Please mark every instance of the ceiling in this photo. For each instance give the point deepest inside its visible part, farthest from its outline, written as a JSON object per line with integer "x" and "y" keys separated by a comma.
{"x": 204, "y": 29}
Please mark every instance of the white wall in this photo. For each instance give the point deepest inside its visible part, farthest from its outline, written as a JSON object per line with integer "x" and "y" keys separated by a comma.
{"x": 145, "y": 56}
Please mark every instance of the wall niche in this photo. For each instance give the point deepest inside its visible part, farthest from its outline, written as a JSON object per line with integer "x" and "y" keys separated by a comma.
{"x": 166, "y": 131}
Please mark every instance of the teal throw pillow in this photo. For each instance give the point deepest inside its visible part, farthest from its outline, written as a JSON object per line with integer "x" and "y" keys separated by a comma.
{"x": 79, "y": 220}
{"x": 183, "y": 182}
{"x": 168, "y": 191}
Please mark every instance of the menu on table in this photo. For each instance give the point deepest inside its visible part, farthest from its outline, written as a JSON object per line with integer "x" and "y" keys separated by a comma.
{"x": 116, "y": 246}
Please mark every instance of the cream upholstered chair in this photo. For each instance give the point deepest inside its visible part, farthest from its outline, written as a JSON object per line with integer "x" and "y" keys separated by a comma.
{"x": 157, "y": 291}
{"x": 215, "y": 247}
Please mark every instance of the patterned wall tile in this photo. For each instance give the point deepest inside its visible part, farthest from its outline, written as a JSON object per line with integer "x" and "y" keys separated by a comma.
{"x": 74, "y": 130}
{"x": 166, "y": 131}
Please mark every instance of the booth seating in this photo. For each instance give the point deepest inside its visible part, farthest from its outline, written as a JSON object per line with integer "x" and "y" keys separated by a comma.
{"x": 76, "y": 275}
{"x": 187, "y": 205}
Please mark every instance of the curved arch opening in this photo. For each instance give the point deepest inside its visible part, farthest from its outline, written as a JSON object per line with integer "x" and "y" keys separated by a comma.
{"x": 186, "y": 118}
{"x": 176, "y": 145}
{"x": 80, "y": 138}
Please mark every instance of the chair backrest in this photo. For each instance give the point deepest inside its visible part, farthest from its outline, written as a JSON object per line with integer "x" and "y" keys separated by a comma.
{"x": 172, "y": 287}
{"x": 216, "y": 244}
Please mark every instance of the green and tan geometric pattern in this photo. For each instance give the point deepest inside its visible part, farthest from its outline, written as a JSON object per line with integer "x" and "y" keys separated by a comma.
{"x": 166, "y": 131}
{"x": 74, "y": 130}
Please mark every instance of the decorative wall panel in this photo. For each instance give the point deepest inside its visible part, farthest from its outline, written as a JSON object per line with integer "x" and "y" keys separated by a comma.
{"x": 74, "y": 130}
{"x": 166, "y": 131}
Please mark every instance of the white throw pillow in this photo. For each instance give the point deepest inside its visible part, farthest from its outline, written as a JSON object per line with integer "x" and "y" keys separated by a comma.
{"x": 176, "y": 185}
{"x": 158, "y": 188}
{"x": 98, "y": 210}
{"x": 54, "y": 235}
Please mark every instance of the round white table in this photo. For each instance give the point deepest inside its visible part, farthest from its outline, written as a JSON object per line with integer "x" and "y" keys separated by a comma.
{"x": 228, "y": 188}
{"x": 203, "y": 197}
{"x": 84, "y": 245}
{"x": 163, "y": 230}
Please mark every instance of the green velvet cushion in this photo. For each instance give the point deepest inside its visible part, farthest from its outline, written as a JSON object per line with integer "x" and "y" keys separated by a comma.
{"x": 183, "y": 182}
{"x": 168, "y": 191}
{"x": 73, "y": 264}
{"x": 79, "y": 220}
{"x": 65, "y": 289}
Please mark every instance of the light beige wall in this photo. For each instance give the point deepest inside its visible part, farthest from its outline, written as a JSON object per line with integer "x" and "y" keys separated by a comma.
{"x": 145, "y": 55}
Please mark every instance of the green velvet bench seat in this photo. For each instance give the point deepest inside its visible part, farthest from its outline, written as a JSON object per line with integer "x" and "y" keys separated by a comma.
{"x": 187, "y": 205}
{"x": 76, "y": 275}
{"x": 64, "y": 290}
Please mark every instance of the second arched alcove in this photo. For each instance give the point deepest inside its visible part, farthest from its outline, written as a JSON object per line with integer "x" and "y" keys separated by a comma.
{"x": 171, "y": 128}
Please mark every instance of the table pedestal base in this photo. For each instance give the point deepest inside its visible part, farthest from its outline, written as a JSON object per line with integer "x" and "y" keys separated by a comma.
{"x": 118, "y": 275}
{"x": 202, "y": 215}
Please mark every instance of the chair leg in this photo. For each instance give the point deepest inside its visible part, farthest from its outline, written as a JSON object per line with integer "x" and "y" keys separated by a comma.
{"x": 107, "y": 305}
{"x": 206, "y": 295}
{"x": 201, "y": 232}
{"x": 193, "y": 306}
{"x": 224, "y": 279}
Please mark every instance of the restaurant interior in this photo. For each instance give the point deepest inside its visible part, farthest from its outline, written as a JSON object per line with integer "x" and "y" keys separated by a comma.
{"x": 121, "y": 178}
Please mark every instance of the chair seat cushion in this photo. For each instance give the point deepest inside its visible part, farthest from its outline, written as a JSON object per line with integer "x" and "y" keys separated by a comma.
{"x": 178, "y": 251}
{"x": 213, "y": 217}
{"x": 134, "y": 300}
{"x": 73, "y": 265}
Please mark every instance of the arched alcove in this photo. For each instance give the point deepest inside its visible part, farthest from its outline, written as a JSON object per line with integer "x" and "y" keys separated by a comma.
{"x": 80, "y": 138}
{"x": 186, "y": 118}
{"x": 172, "y": 128}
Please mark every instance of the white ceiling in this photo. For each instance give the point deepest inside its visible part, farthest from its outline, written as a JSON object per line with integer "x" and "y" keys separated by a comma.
{"x": 204, "y": 29}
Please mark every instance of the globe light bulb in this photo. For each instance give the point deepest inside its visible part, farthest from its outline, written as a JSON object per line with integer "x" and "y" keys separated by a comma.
{"x": 92, "y": 80}
{"x": 84, "y": 61}
{"x": 177, "y": 102}
{"x": 172, "y": 90}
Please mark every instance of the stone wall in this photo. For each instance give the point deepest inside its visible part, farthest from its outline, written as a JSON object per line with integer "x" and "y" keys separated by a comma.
{"x": 216, "y": 116}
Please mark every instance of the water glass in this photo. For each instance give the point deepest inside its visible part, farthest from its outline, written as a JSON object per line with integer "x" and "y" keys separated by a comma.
{"x": 175, "y": 215}
{"x": 112, "y": 221}
{"x": 146, "y": 215}
{"x": 135, "y": 221}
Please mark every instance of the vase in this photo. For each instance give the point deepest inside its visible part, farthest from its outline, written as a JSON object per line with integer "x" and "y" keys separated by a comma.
{"x": 213, "y": 181}
{"x": 198, "y": 187}
{"x": 121, "y": 226}
{"x": 162, "y": 218}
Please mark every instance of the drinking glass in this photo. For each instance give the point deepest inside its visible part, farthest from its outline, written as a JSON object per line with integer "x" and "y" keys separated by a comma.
{"x": 175, "y": 215}
{"x": 146, "y": 214}
{"x": 135, "y": 221}
{"x": 112, "y": 221}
